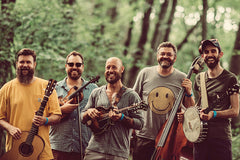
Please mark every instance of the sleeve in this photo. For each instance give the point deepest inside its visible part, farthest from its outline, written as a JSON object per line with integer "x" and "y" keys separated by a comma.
{"x": 233, "y": 85}
{"x": 53, "y": 104}
{"x": 197, "y": 83}
{"x": 138, "y": 84}
{"x": 3, "y": 103}
{"x": 137, "y": 116}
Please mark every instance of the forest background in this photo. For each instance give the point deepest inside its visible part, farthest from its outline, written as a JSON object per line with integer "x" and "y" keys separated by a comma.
{"x": 128, "y": 29}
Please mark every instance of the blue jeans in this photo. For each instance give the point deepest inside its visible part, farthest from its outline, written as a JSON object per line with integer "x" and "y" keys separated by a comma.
{"x": 211, "y": 149}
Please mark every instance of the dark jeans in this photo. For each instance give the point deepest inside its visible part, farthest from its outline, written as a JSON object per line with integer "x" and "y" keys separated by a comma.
{"x": 58, "y": 155}
{"x": 144, "y": 149}
{"x": 211, "y": 149}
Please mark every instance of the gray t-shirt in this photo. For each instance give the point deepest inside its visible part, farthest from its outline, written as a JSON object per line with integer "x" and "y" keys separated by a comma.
{"x": 160, "y": 92}
{"x": 116, "y": 140}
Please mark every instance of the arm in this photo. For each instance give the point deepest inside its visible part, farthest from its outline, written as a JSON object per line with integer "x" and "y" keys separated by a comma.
{"x": 188, "y": 100}
{"x": 13, "y": 131}
{"x": 228, "y": 113}
{"x": 41, "y": 120}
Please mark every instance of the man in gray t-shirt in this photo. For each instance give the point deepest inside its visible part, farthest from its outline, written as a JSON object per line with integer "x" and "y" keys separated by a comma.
{"x": 159, "y": 86}
{"x": 111, "y": 140}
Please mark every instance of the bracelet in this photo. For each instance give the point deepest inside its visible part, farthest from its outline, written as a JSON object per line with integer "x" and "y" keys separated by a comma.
{"x": 214, "y": 114}
{"x": 122, "y": 117}
{"x": 46, "y": 121}
{"x": 188, "y": 95}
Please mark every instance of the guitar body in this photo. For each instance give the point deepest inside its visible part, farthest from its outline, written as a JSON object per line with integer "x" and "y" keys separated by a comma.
{"x": 22, "y": 151}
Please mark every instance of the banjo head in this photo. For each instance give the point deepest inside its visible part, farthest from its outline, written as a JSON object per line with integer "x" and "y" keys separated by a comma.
{"x": 192, "y": 124}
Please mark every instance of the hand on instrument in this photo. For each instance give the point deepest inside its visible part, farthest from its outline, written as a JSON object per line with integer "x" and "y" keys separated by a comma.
{"x": 114, "y": 116}
{"x": 187, "y": 84}
{"x": 180, "y": 116}
{"x": 39, "y": 120}
{"x": 68, "y": 107}
{"x": 206, "y": 116}
{"x": 93, "y": 113}
{"x": 15, "y": 132}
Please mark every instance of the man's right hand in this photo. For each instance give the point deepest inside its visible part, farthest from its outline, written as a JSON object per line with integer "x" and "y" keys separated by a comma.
{"x": 14, "y": 131}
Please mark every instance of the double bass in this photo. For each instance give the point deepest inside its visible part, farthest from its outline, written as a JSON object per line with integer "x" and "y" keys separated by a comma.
{"x": 171, "y": 143}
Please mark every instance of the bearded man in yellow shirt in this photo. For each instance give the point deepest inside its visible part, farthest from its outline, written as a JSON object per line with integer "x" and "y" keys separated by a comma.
{"x": 20, "y": 98}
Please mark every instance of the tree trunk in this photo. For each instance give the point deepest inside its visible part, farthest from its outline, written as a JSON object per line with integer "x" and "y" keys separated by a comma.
{"x": 132, "y": 74}
{"x": 7, "y": 36}
{"x": 157, "y": 34}
{"x": 170, "y": 20}
{"x": 188, "y": 34}
{"x": 235, "y": 68}
{"x": 204, "y": 19}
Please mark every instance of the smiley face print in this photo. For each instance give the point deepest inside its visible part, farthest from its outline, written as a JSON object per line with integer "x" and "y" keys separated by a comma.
{"x": 161, "y": 100}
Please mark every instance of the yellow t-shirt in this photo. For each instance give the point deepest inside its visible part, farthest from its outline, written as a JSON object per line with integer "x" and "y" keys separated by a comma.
{"x": 18, "y": 104}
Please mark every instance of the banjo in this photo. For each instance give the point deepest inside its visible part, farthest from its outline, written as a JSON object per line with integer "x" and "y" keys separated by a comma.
{"x": 194, "y": 128}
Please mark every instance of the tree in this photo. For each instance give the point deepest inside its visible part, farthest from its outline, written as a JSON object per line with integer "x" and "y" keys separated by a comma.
{"x": 140, "y": 46}
{"x": 7, "y": 35}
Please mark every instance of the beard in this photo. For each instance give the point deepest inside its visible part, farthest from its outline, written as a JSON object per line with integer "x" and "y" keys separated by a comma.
{"x": 25, "y": 78}
{"x": 74, "y": 76}
{"x": 117, "y": 76}
{"x": 214, "y": 64}
{"x": 163, "y": 64}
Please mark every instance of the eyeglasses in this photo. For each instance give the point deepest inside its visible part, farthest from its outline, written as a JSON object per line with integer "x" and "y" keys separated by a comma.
{"x": 168, "y": 54}
{"x": 76, "y": 64}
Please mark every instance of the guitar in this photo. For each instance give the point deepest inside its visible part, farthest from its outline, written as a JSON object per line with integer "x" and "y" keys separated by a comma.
{"x": 30, "y": 145}
{"x": 194, "y": 128}
{"x": 101, "y": 124}
{"x": 76, "y": 95}
{"x": 170, "y": 140}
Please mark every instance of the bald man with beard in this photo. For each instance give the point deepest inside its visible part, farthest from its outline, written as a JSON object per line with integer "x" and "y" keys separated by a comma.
{"x": 114, "y": 142}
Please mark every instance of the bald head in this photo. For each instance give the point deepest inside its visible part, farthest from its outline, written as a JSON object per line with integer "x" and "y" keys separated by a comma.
{"x": 113, "y": 70}
{"x": 115, "y": 60}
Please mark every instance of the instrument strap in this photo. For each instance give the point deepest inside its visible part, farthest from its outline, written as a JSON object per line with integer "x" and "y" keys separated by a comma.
{"x": 204, "y": 100}
{"x": 118, "y": 96}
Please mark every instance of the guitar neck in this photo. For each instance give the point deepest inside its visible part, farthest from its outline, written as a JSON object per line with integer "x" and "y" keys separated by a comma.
{"x": 42, "y": 106}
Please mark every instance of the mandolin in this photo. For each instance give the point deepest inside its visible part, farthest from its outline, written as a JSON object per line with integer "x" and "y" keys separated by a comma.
{"x": 101, "y": 124}
{"x": 30, "y": 145}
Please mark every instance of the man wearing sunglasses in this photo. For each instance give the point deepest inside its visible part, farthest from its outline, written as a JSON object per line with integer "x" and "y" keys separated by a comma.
{"x": 64, "y": 137}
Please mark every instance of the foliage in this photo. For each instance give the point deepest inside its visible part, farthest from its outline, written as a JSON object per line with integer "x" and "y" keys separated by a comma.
{"x": 236, "y": 147}
{"x": 98, "y": 29}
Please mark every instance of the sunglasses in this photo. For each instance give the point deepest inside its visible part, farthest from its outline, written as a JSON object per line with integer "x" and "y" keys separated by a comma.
{"x": 76, "y": 64}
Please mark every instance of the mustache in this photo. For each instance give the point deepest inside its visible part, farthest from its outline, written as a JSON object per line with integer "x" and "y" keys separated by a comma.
{"x": 74, "y": 69}
{"x": 207, "y": 58}
{"x": 166, "y": 59}
{"x": 24, "y": 68}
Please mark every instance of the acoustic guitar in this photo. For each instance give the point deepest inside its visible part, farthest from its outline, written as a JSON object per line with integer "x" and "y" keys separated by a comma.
{"x": 101, "y": 124}
{"x": 30, "y": 145}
